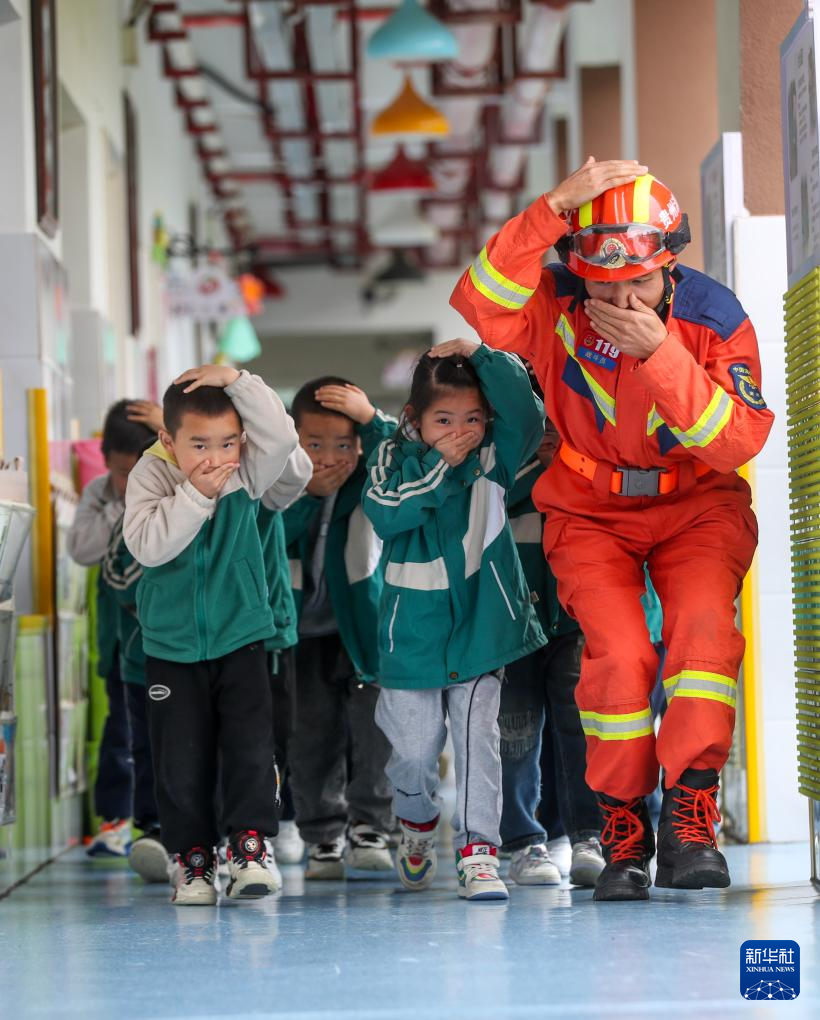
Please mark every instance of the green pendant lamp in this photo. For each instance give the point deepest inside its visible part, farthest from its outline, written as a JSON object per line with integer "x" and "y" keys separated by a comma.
{"x": 238, "y": 341}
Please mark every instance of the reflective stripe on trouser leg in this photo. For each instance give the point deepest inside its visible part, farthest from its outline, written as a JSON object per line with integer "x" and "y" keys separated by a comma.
{"x": 699, "y": 722}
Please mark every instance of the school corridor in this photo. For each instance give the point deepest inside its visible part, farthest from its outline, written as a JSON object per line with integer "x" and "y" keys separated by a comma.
{"x": 82, "y": 940}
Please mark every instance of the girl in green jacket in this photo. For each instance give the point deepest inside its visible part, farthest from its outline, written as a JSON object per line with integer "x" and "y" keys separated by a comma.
{"x": 455, "y": 607}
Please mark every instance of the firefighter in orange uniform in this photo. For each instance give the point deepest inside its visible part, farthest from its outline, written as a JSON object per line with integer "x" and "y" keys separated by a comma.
{"x": 649, "y": 371}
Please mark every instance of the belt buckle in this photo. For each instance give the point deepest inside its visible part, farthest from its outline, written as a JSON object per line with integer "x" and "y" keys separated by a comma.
{"x": 640, "y": 481}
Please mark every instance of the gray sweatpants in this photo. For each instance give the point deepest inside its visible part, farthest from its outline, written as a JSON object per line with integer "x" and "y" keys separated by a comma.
{"x": 414, "y": 723}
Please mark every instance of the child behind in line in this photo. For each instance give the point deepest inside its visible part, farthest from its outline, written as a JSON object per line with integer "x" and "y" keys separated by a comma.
{"x": 337, "y": 752}
{"x": 456, "y": 606}
{"x": 121, "y": 784}
{"x": 190, "y": 520}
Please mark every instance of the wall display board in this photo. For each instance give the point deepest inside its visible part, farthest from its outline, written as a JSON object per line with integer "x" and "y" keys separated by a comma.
{"x": 721, "y": 191}
{"x": 801, "y": 157}
{"x": 71, "y": 655}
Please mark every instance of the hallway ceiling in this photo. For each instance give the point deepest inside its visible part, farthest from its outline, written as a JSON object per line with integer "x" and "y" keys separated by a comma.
{"x": 278, "y": 97}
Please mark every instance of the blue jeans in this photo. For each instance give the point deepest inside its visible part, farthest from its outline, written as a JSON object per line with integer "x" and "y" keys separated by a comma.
{"x": 540, "y": 690}
{"x": 113, "y": 790}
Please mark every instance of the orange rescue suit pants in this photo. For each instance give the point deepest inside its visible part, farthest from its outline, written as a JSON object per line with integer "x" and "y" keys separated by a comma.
{"x": 698, "y": 544}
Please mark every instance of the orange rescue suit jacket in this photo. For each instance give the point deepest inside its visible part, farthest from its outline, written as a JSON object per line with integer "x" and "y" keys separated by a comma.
{"x": 697, "y": 396}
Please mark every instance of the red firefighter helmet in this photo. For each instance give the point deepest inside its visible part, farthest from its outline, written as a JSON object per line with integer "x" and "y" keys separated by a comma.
{"x": 626, "y": 232}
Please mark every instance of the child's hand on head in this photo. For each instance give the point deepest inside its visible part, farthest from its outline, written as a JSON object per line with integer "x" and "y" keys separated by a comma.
{"x": 349, "y": 400}
{"x": 146, "y": 413}
{"x": 211, "y": 480}
{"x": 454, "y": 447}
{"x": 466, "y": 348}
{"x": 327, "y": 480}
{"x": 207, "y": 375}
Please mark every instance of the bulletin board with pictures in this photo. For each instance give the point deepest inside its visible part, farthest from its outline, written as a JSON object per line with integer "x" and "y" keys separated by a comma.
{"x": 801, "y": 146}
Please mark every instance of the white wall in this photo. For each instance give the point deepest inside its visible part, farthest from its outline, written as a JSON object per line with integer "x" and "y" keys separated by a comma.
{"x": 169, "y": 177}
{"x": 760, "y": 282}
{"x": 318, "y": 300}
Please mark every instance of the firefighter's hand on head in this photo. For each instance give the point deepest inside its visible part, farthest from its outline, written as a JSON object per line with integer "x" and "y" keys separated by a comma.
{"x": 592, "y": 180}
{"x": 637, "y": 330}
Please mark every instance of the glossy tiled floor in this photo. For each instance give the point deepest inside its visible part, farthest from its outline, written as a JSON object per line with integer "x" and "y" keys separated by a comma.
{"x": 84, "y": 941}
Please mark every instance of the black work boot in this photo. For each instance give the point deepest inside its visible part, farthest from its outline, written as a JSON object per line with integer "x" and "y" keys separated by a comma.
{"x": 628, "y": 843}
{"x": 688, "y": 857}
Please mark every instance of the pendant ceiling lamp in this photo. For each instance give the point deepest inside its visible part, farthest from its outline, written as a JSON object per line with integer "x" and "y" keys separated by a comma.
{"x": 404, "y": 228}
{"x": 238, "y": 340}
{"x": 403, "y": 174}
{"x": 410, "y": 33}
{"x": 409, "y": 114}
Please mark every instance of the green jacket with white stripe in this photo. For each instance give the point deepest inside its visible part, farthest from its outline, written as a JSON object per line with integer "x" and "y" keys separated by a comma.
{"x": 121, "y": 574}
{"x": 456, "y": 603}
{"x": 353, "y": 553}
{"x": 528, "y": 527}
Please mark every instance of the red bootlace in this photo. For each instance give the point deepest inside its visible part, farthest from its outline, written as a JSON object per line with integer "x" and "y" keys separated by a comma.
{"x": 694, "y": 819}
{"x": 623, "y": 830}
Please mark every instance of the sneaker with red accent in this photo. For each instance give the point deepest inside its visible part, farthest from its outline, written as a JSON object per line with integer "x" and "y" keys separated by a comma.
{"x": 628, "y": 844}
{"x": 250, "y": 875}
{"x": 193, "y": 876}
{"x": 477, "y": 866}
{"x": 688, "y": 855}
{"x": 112, "y": 840}
{"x": 416, "y": 860}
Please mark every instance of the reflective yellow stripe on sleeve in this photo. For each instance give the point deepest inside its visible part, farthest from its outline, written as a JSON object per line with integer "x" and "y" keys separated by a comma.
{"x": 710, "y": 424}
{"x": 627, "y": 726}
{"x": 497, "y": 288}
{"x": 696, "y": 683}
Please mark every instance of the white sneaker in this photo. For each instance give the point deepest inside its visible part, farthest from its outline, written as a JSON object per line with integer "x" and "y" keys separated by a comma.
{"x": 324, "y": 860}
{"x": 290, "y": 847}
{"x": 416, "y": 860}
{"x": 533, "y": 866}
{"x": 561, "y": 854}
{"x": 113, "y": 839}
{"x": 477, "y": 866}
{"x": 193, "y": 878}
{"x": 251, "y": 874}
{"x": 587, "y": 862}
{"x": 149, "y": 858}
{"x": 367, "y": 849}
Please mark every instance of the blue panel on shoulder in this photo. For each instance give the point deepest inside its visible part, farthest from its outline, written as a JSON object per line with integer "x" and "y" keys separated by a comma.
{"x": 574, "y": 378}
{"x": 702, "y": 300}
{"x": 666, "y": 440}
{"x": 566, "y": 283}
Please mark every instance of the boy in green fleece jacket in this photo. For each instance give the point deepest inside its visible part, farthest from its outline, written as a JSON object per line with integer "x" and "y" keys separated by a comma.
{"x": 190, "y": 520}
{"x": 337, "y": 753}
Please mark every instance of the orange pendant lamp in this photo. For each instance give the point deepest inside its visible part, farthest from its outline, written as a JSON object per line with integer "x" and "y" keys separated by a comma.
{"x": 409, "y": 114}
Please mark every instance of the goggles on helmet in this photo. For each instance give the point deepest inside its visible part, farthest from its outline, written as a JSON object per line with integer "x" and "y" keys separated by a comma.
{"x": 613, "y": 245}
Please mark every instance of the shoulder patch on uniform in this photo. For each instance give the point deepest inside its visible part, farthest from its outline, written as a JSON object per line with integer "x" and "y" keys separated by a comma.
{"x": 704, "y": 301}
{"x": 746, "y": 387}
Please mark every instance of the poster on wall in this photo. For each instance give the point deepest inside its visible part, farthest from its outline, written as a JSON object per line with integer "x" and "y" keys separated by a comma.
{"x": 721, "y": 192}
{"x": 801, "y": 156}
